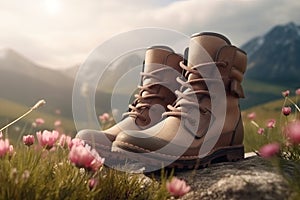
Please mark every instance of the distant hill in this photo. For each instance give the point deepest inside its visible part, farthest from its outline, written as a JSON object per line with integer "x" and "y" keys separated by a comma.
{"x": 24, "y": 82}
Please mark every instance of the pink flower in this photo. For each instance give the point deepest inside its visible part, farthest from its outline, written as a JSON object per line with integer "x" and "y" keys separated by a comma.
{"x": 11, "y": 150}
{"x": 47, "y": 139}
{"x": 292, "y": 132}
{"x": 76, "y": 142}
{"x": 177, "y": 187}
{"x": 57, "y": 123}
{"x": 5, "y": 148}
{"x": 64, "y": 140}
{"x": 57, "y": 111}
{"x": 286, "y": 110}
{"x": 269, "y": 150}
{"x": 271, "y": 123}
{"x": 286, "y": 93}
{"x": 39, "y": 121}
{"x": 261, "y": 131}
{"x": 104, "y": 117}
{"x": 84, "y": 156}
{"x": 297, "y": 91}
{"x": 93, "y": 182}
{"x": 28, "y": 140}
{"x": 251, "y": 116}
{"x": 1, "y": 135}
{"x": 34, "y": 124}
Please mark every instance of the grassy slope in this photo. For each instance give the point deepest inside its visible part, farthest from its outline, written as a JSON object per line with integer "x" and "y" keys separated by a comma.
{"x": 258, "y": 92}
{"x": 10, "y": 111}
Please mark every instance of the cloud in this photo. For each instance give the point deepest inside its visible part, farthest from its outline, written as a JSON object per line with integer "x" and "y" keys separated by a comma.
{"x": 66, "y": 37}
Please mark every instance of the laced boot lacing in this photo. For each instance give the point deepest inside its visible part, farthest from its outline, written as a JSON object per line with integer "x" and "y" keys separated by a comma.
{"x": 188, "y": 93}
{"x": 140, "y": 103}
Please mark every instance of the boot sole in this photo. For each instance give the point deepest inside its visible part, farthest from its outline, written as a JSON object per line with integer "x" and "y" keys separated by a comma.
{"x": 157, "y": 160}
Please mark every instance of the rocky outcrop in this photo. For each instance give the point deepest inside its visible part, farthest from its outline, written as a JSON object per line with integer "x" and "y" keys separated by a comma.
{"x": 251, "y": 178}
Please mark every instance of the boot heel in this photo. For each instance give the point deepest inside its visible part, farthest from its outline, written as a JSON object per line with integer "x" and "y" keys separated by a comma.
{"x": 235, "y": 154}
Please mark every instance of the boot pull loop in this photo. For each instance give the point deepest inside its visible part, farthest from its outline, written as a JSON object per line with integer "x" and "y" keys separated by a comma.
{"x": 143, "y": 68}
{"x": 185, "y": 61}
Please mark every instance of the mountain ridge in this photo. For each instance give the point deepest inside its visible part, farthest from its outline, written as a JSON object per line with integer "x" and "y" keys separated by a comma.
{"x": 273, "y": 57}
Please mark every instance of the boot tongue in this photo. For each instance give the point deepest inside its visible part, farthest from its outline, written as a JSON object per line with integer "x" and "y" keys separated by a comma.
{"x": 155, "y": 59}
{"x": 203, "y": 48}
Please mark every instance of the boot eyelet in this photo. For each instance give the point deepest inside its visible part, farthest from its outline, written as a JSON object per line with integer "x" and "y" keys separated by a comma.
{"x": 205, "y": 112}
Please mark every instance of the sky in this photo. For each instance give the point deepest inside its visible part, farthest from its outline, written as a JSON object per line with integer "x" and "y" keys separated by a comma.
{"x": 62, "y": 33}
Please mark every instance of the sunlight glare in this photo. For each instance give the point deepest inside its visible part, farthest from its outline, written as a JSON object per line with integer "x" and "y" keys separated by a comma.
{"x": 53, "y": 7}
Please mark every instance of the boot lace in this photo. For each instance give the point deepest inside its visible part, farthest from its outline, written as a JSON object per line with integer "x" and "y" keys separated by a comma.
{"x": 140, "y": 102}
{"x": 186, "y": 94}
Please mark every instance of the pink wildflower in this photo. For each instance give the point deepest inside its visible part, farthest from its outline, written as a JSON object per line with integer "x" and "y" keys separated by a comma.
{"x": 269, "y": 150}
{"x": 11, "y": 150}
{"x": 292, "y": 132}
{"x": 57, "y": 123}
{"x": 64, "y": 140}
{"x": 286, "y": 110}
{"x": 28, "y": 140}
{"x": 84, "y": 156}
{"x": 1, "y": 135}
{"x": 39, "y": 121}
{"x": 177, "y": 187}
{"x": 261, "y": 131}
{"x": 76, "y": 142}
{"x": 286, "y": 93}
{"x": 251, "y": 116}
{"x": 297, "y": 91}
{"x": 47, "y": 139}
{"x": 58, "y": 111}
{"x": 34, "y": 124}
{"x": 5, "y": 147}
{"x": 93, "y": 182}
{"x": 271, "y": 123}
{"x": 104, "y": 117}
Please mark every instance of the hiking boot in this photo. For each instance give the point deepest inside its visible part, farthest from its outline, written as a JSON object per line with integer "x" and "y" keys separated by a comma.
{"x": 158, "y": 84}
{"x": 204, "y": 125}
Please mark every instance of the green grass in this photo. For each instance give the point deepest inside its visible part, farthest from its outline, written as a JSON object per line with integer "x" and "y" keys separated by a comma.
{"x": 262, "y": 87}
{"x": 36, "y": 173}
{"x": 258, "y": 93}
{"x": 264, "y": 112}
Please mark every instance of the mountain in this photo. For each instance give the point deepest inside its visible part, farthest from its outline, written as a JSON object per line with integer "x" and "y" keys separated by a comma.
{"x": 274, "y": 57}
{"x": 25, "y": 82}
{"x": 273, "y": 64}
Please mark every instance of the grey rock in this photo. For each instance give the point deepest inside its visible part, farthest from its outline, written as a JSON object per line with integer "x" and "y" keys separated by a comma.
{"x": 251, "y": 178}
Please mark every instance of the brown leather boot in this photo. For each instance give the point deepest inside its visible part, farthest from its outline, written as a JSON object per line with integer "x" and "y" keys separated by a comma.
{"x": 204, "y": 125}
{"x": 161, "y": 68}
